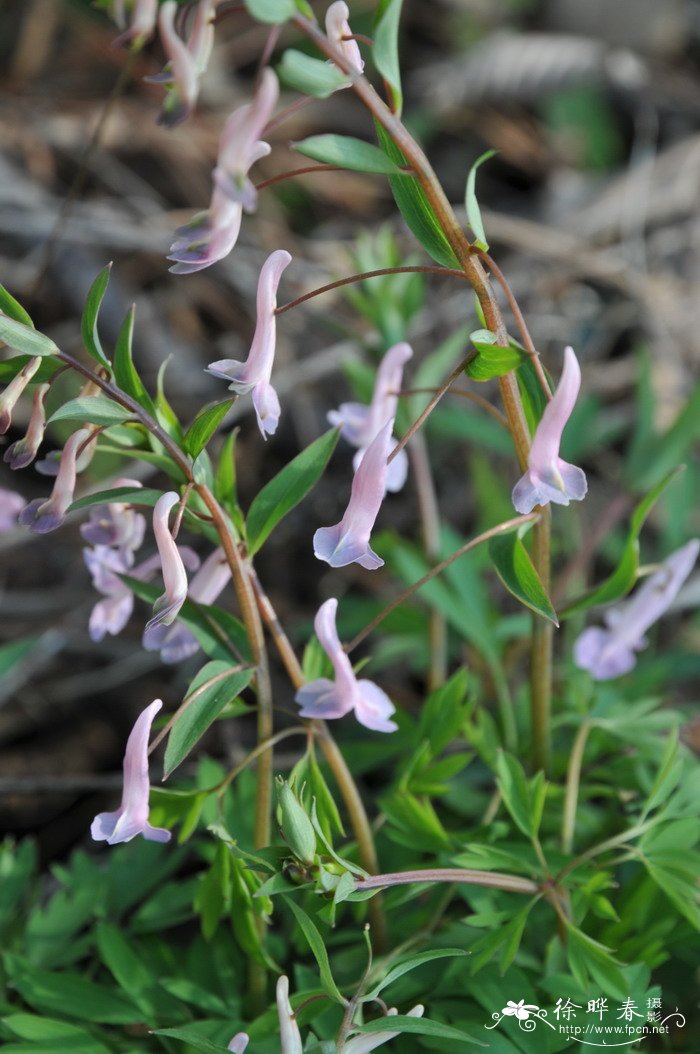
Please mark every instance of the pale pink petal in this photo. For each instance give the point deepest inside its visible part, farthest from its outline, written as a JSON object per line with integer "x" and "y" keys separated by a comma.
{"x": 290, "y": 1037}
{"x": 373, "y": 707}
{"x": 15, "y": 388}
{"x": 337, "y": 27}
{"x": 174, "y": 575}
{"x": 21, "y": 453}
{"x": 365, "y": 1044}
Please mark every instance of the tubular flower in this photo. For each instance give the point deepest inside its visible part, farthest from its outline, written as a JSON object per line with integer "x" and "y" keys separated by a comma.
{"x": 337, "y": 28}
{"x": 46, "y": 514}
{"x": 290, "y": 1037}
{"x": 608, "y": 653}
{"x": 348, "y": 541}
{"x": 187, "y": 60}
{"x": 212, "y": 234}
{"x": 11, "y": 505}
{"x": 239, "y": 1043}
{"x": 131, "y": 818}
{"x": 22, "y": 452}
{"x": 359, "y": 424}
{"x": 177, "y": 642}
{"x": 548, "y": 478}
{"x": 364, "y": 1044}
{"x": 117, "y": 523}
{"x": 13, "y": 391}
{"x": 143, "y": 15}
{"x": 254, "y": 374}
{"x": 166, "y": 607}
{"x": 328, "y": 699}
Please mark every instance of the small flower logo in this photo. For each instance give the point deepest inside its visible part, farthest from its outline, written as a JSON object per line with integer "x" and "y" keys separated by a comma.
{"x": 521, "y": 1010}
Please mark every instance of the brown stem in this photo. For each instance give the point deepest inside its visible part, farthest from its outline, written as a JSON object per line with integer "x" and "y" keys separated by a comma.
{"x": 478, "y": 400}
{"x": 507, "y": 525}
{"x": 453, "y": 272}
{"x": 306, "y": 170}
{"x": 424, "y": 414}
{"x": 488, "y": 879}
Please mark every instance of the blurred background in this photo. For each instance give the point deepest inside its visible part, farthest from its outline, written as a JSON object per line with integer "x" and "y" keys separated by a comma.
{"x": 591, "y": 206}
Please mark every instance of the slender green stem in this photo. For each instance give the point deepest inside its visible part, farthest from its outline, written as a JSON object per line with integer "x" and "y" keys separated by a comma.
{"x": 541, "y": 651}
{"x": 573, "y": 779}
{"x": 603, "y": 847}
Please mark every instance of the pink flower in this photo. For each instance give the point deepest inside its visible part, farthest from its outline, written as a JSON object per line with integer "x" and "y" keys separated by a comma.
{"x": 212, "y": 234}
{"x": 143, "y": 15}
{"x": 359, "y": 424}
{"x": 254, "y": 374}
{"x": 46, "y": 514}
{"x": 337, "y": 28}
{"x": 22, "y": 452}
{"x": 364, "y": 1044}
{"x": 11, "y": 505}
{"x": 328, "y": 699}
{"x": 290, "y": 1037}
{"x": 348, "y": 541}
{"x": 239, "y": 1043}
{"x": 608, "y": 653}
{"x": 131, "y": 818}
{"x": 176, "y": 643}
{"x": 548, "y": 478}
{"x": 13, "y": 391}
{"x": 166, "y": 608}
{"x": 187, "y": 60}
{"x": 117, "y": 523}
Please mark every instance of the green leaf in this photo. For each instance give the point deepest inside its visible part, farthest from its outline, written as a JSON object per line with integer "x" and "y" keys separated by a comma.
{"x": 415, "y": 207}
{"x": 204, "y": 426}
{"x": 308, "y": 75}
{"x": 215, "y": 685}
{"x": 665, "y": 451}
{"x": 493, "y": 360}
{"x": 69, "y": 993}
{"x": 47, "y": 1034}
{"x": 12, "y": 308}
{"x": 515, "y": 569}
{"x": 533, "y": 398}
{"x": 347, "y": 152}
{"x": 123, "y": 495}
{"x": 589, "y": 958}
{"x": 318, "y": 948}
{"x": 623, "y": 578}
{"x": 287, "y": 488}
{"x": 124, "y": 370}
{"x": 15, "y": 652}
{"x": 515, "y": 791}
{"x": 88, "y": 324}
{"x": 271, "y": 11}
{"x": 410, "y": 964}
{"x": 513, "y": 931}
{"x": 11, "y": 367}
{"x": 385, "y": 50}
{"x": 472, "y": 205}
{"x": 187, "y": 1035}
{"x": 25, "y": 338}
{"x": 92, "y": 408}
{"x": 418, "y": 1026}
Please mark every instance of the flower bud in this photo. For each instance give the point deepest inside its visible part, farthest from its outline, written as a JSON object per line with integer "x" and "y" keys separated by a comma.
{"x": 296, "y": 826}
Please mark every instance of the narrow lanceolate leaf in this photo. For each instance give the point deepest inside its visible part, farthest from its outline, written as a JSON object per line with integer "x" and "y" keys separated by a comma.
{"x": 287, "y": 488}
{"x": 308, "y": 75}
{"x": 88, "y": 325}
{"x": 411, "y": 964}
{"x": 493, "y": 360}
{"x": 192, "y": 1039}
{"x": 11, "y": 367}
{"x": 25, "y": 338}
{"x": 92, "y": 408}
{"x": 386, "y": 46}
{"x": 347, "y": 152}
{"x": 623, "y": 578}
{"x": 318, "y": 948}
{"x": 216, "y": 685}
{"x": 515, "y": 569}
{"x": 12, "y": 308}
{"x": 418, "y": 1026}
{"x": 204, "y": 426}
{"x": 124, "y": 370}
{"x": 472, "y": 205}
{"x": 126, "y": 495}
{"x": 271, "y": 11}
{"x": 415, "y": 207}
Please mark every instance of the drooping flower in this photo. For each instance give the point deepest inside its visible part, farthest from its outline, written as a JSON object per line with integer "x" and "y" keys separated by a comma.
{"x": 348, "y": 541}
{"x": 359, "y": 424}
{"x": 254, "y": 374}
{"x": 46, "y": 514}
{"x": 548, "y": 477}
{"x": 365, "y": 1044}
{"x": 212, "y": 234}
{"x": 137, "y": 20}
{"x": 239, "y": 1043}
{"x": 15, "y": 388}
{"x": 166, "y": 607}
{"x": 22, "y": 452}
{"x": 11, "y": 505}
{"x": 116, "y": 523}
{"x": 290, "y": 1037}
{"x": 187, "y": 60}
{"x": 176, "y": 642}
{"x": 338, "y": 29}
{"x": 131, "y": 818}
{"x": 611, "y": 652}
{"x": 328, "y": 699}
